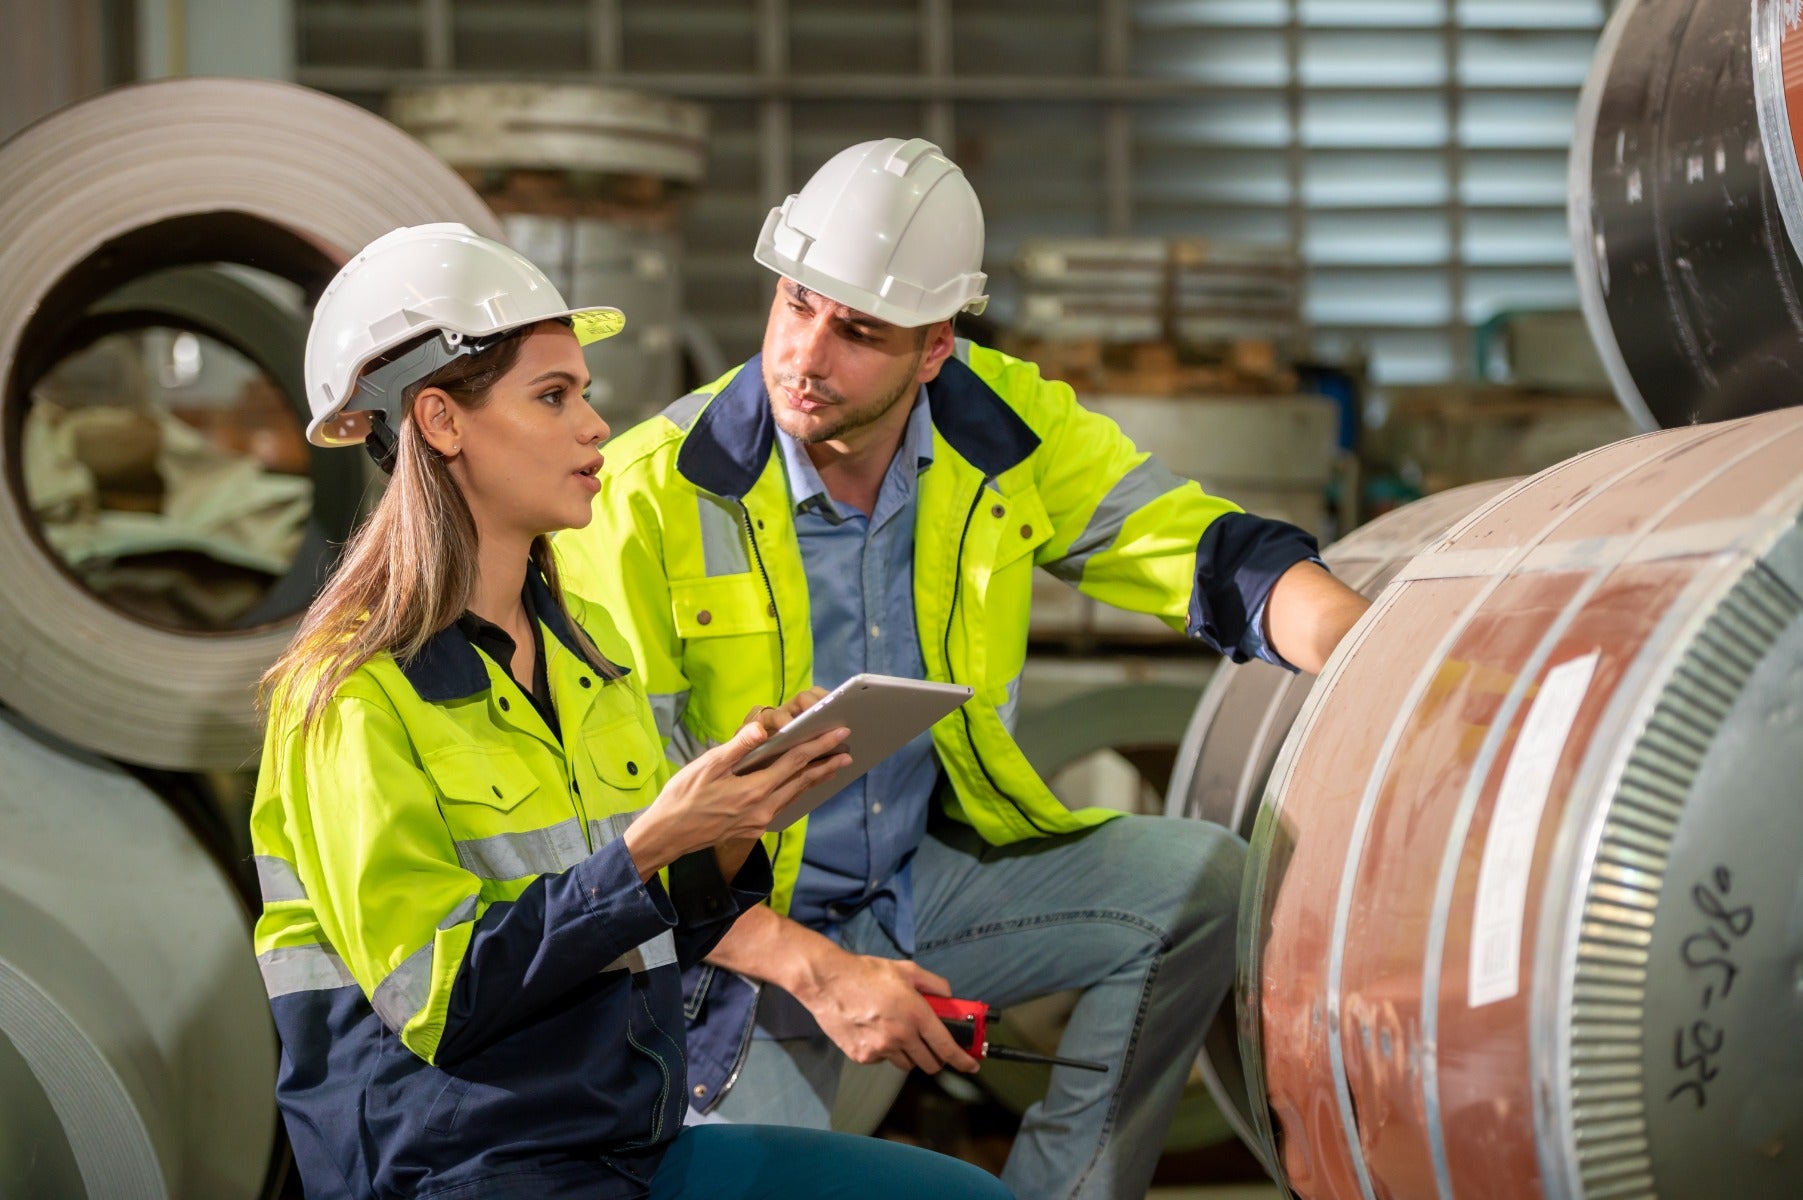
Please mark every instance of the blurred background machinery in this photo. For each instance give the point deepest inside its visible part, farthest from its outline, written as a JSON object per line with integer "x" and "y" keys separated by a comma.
{"x": 1319, "y": 257}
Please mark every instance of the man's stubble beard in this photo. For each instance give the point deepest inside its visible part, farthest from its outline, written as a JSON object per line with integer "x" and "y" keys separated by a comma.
{"x": 850, "y": 420}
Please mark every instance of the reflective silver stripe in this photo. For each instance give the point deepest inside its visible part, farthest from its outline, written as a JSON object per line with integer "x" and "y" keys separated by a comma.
{"x": 667, "y": 709}
{"x": 397, "y": 998}
{"x": 961, "y": 350}
{"x": 277, "y": 880}
{"x": 463, "y": 912}
{"x": 603, "y": 830}
{"x": 290, "y": 969}
{"x": 1009, "y": 708}
{"x": 722, "y": 546}
{"x": 685, "y": 747}
{"x": 517, "y": 855}
{"x": 682, "y": 413}
{"x": 660, "y": 951}
{"x": 1136, "y": 489}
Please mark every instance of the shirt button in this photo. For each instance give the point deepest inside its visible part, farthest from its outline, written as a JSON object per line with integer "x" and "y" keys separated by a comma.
{"x": 701, "y": 1089}
{"x": 875, "y": 631}
{"x": 505, "y": 707}
{"x": 877, "y": 807}
{"x": 632, "y": 768}
{"x": 711, "y": 904}
{"x": 998, "y": 511}
{"x": 704, "y": 617}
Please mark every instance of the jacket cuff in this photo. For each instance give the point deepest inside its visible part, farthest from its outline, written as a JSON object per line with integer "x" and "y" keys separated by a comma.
{"x": 612, "y": 890}
{"x": 1238, "y": 561}
{"x": 702, "y": 895}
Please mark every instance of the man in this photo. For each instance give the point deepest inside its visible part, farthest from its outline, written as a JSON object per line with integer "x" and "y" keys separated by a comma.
{"x": 872, "y": 494}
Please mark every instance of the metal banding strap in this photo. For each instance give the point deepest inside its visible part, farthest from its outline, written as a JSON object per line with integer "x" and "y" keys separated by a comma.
{"x": 289, "y": 969}
{"x": 1136, "y": 489}
{"x": 277, "y": 880}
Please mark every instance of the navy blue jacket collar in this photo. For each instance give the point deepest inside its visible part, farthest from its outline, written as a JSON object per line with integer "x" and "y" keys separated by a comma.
{"x": 448, "y": 667}
{"x": 730, "y": 443}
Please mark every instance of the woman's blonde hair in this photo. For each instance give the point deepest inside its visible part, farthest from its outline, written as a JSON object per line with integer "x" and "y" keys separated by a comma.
{"x": 410, "y": 569}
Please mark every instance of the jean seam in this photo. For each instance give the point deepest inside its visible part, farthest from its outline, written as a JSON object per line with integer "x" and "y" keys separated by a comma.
{"x": 1047, "y": 921}
{"x": 1120, "y": 1086}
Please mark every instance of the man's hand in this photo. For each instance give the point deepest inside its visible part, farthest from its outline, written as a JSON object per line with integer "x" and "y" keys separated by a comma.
{"x": 871, "y": 1008}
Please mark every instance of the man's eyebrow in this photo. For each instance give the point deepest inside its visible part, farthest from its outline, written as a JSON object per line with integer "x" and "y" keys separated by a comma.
{"x": 862, "y": 321}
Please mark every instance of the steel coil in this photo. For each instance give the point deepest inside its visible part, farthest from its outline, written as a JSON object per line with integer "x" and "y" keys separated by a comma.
{"x": 136, "y": 181}
{"x": 1236, "y": 731}
{"x": 1684, "y": 178}
{"x": 1520, "y": 914}
{"x": 137, "y": 1056}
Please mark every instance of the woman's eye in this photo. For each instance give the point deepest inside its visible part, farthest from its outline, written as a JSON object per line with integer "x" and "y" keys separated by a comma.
{"x": 553, "y": 397}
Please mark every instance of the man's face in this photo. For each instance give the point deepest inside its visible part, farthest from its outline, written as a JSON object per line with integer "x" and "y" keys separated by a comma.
{"x": 832, "y": 371}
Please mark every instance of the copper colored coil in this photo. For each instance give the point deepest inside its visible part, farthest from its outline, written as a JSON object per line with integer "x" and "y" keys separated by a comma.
{"x": 1520, "y": 912}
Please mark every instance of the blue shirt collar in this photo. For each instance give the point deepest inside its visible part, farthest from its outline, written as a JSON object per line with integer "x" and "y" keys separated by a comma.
{"x": 805, "y": 486}
{"x": 730, "y": 442}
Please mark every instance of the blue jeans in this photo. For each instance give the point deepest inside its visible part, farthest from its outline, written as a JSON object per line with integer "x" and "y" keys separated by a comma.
{"x": 755, "y": 1162}
{"x": 1138, "y": 913}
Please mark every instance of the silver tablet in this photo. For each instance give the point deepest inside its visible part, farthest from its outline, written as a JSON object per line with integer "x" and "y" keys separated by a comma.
{"x": 883, "y": 712}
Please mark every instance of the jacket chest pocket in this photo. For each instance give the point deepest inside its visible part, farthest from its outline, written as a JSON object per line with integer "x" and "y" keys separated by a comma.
{"x": 505, "y": 823}
{"x": 626, "y": 759}
{"x": 730, "y": 653}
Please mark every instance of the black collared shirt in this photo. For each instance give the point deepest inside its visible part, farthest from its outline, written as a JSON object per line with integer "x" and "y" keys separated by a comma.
{"x": 495, "y": 642}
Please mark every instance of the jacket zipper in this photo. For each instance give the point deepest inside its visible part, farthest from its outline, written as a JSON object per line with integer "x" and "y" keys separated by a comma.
{"x": 951, "y": 614}
{"x": 782, "y": 654}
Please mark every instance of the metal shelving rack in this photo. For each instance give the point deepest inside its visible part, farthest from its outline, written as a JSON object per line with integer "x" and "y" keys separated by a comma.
{"x": 1413, "y": 151}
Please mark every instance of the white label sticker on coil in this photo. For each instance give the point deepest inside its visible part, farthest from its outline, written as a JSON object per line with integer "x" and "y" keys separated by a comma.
{"x": 1502, "y": 880}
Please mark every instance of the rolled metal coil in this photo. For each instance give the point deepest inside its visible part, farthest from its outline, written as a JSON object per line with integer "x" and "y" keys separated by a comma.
{"x": 1684, "y": 180}
{"x": 1520, "y": 909}
{"x": 168, "y": 174}
{"x": 137, "y": 1055}
{"x": 1236, "y": 731}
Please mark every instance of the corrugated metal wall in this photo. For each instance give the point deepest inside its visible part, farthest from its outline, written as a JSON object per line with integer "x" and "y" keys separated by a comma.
{"x": 1412, "y": 150}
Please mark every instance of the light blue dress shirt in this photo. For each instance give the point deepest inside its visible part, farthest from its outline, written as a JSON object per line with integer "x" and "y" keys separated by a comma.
{"x": 860, "y": 572}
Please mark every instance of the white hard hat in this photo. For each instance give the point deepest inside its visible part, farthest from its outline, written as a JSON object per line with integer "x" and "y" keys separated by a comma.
{"x": 443, "y": 279}
{"x": 890, "y": 228}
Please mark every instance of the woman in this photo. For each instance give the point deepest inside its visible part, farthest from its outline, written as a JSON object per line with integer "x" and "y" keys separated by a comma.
{"x": 480, "y": 877}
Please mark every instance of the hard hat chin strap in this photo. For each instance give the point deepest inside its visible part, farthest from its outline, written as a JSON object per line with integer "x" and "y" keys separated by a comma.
{"x": 382, "y": 390}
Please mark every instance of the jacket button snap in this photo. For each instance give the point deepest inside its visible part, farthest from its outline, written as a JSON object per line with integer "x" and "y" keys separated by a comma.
{"x": 998, "y": 511}
{"x": 632, "y": 768}
{"x": 496, "y": 789}
{"x": 701, "y": 1089}
{"x": 587, "y": 682}
{"x": 703, "y": 617}
{"x": 504, "y": 705}
{"x": 1026, "y": 531}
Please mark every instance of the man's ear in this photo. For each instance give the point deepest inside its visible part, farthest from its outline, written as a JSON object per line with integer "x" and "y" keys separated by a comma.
{"x": 939, "y": 346}
{"x": 437, "y": 418}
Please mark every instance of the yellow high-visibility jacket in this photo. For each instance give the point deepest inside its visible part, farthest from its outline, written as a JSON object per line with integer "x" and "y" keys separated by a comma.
{"x": 693, "y": 550}
{"x": 469, "y": 978}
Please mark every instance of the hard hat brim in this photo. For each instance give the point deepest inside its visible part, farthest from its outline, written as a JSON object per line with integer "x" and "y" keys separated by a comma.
{"x": 348, "y": 427}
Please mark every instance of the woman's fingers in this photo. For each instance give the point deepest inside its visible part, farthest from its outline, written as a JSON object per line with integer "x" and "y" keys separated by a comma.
{"x": 722, "y": 759}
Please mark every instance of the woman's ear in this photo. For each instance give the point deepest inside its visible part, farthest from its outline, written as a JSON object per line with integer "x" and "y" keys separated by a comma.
{"x": 436, "y": 417}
